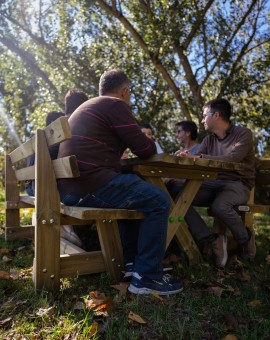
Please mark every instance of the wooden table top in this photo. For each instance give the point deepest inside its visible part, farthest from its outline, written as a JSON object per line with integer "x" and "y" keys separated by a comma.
{"x": 166, "y": 160}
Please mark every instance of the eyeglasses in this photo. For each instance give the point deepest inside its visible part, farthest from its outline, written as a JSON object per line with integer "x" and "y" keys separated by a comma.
{"x": 208, "y": 114}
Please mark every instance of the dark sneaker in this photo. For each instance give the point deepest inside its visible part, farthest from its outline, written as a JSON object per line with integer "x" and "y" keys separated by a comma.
{"x": 248, "y": 249}
{"x": 129, "y": 270}
{"x": 219, "y": 250}
{"x": 165, "y": 286}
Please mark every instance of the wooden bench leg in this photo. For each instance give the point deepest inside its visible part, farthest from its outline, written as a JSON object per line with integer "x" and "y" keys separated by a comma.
{"x": 46, "y": 269}
{"x": 111, "y": 246}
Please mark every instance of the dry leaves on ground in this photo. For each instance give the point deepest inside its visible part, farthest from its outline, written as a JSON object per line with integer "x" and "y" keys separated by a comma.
{"x": 99, "y": 303}
{"x": 132, "y": 317}
{"x": 4, "y": 275}
{"x": 122, "y": 291}
{"x": 254, "y": 303}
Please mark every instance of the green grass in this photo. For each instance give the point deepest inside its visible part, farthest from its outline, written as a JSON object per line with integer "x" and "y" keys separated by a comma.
{"x": 241, "y": 309}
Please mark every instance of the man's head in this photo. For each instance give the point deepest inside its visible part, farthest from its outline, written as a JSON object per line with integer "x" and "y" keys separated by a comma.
{"x": 216, "y": 110}
{"x": 147, "y": 130}
{"x": 73, "y": 99}
{"x": 115, "y": 83}
{"x": 186, "y": 130}
{"x": 52, "y": 116}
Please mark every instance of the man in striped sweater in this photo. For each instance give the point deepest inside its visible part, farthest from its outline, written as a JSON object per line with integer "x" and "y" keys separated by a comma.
{"x": 102, "y": 128}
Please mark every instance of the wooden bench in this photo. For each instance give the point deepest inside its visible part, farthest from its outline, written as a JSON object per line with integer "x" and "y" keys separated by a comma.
{"x": 262, "y": 181}
{"x": 50, "y": 214}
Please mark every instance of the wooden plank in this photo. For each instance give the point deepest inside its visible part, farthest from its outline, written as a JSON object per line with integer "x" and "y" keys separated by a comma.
{"x": 23, "y": 151}
{"x": 185, "y": 162}
{"x": 81, "y": 264}
{"x": 182, "y": 203}
{"x": 254, "y": 208}
{"x": 111, "y": 247}
{"x": 12, "y": 216}
{"x": 58, "y": 131}
{"x": 154, "y": 171}
{"x": 65, "y": 167}
{"x": 19, "y": 233}
{"x": 69, "y": 220}
{"x": 86, "y": 213}
{"x": 176, "y": 224}
{"x": 47, "y": 220}
{"x": 55, "y": 132}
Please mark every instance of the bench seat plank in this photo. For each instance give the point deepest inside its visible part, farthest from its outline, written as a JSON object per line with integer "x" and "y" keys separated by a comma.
{"x": 86, "y": 213}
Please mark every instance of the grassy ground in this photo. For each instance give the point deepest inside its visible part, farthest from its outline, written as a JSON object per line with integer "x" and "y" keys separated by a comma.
{"x": 233, "y": 303}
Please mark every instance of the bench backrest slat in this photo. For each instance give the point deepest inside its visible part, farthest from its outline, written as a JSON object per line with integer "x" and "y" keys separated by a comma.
{"x": 65, "y": 167}
{"x": 56, "y": 132}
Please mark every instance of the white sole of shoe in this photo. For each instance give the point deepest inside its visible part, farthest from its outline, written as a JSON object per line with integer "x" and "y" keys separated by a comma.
{"x": 147, "y": 291}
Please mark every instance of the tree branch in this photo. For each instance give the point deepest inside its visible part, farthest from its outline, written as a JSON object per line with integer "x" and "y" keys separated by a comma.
{"x": 154, "y": 58}
{"x": 225, "y": 48}
{"x": 196, "y": 25}
{"x": 29, "y": 61}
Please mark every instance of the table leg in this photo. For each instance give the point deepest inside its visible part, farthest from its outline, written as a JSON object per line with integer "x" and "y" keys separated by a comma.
{"x": 177, "y": 226}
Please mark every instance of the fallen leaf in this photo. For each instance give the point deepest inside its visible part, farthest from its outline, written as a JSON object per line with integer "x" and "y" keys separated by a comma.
{"x": 135, "y": 317}
{"x": 156, "y": 295}
{"x": 122, "y": 288}
{"x": 4, "y": 251}
{"x": 6, "y": 259}
{"x": 21, "y": 302}
{"x": 98, "y": 303}
{"x": 254, "y": 303}
{"x": 14, "y": 274}
{"x": 5, "y": 322}
{"x": 46, "y": 311}
{"x": 4, "y": 275}
{"x": 93, "y": 330}
{"x": 97, "y": 297}
{"x": 230, "y": 337}
{"x": 235, "y": 261}
{"x": 243, "y": 276}
{"x": 217, "y": 291}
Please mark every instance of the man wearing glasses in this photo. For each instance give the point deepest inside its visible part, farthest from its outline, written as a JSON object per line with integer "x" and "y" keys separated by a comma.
{"x": 231, "y": 143}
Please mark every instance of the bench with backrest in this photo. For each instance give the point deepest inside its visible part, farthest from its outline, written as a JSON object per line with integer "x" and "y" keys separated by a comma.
{"x": 50, "y": 214}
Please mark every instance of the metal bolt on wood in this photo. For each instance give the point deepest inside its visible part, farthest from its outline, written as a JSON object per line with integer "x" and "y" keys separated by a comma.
{"x": 51, "y": 220}
{"x": 44, "y": 270}
{"x": 43, "y": 221}
{"x": 52, "y": 276}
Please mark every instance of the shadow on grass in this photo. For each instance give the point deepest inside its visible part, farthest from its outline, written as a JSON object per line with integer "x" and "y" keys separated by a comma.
{"x": 215, "y": 302}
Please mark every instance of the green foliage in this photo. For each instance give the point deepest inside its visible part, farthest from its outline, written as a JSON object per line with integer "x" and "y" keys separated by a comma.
{"x": 177, "y": 55}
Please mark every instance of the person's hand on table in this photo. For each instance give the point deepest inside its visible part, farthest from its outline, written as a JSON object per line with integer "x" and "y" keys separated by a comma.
{"x": 185, "y": 153}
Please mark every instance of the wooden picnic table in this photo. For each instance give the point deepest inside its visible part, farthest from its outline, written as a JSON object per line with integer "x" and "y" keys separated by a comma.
{"x": 195, "y": 170}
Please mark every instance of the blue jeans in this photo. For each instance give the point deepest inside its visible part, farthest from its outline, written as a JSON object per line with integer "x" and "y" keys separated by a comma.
{"x": 144, "y": 241}
{"x": 221, "y": 196}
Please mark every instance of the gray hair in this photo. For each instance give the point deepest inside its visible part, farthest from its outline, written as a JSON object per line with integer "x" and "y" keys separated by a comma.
{"x": 112, "y": 81}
